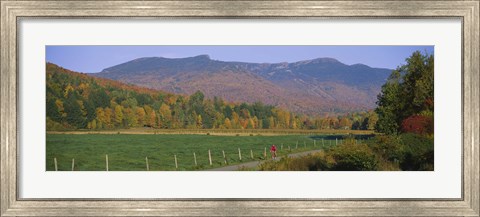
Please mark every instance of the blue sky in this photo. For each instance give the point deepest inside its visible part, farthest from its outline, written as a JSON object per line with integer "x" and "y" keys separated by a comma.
{"x": 94, "y": 58}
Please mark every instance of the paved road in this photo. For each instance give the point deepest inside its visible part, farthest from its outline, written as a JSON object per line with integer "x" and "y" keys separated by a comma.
{"x": 256, "y": 163}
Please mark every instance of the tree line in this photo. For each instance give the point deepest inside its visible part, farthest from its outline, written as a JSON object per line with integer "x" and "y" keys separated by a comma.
{"x": 406, "y": 101}
{"x": 79, "y": 101}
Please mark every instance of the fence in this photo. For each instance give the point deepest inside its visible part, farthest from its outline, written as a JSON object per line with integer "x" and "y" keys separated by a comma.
{"x": 227, "y": 157}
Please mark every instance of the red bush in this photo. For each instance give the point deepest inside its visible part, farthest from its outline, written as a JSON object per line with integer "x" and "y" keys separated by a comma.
{"x": 418, "y": 124}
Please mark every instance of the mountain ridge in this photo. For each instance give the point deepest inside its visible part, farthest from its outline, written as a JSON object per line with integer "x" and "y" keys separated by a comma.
{"x": 316, "y": 86}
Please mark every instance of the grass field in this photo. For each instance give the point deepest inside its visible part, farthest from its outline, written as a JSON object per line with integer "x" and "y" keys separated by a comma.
{"x": 127, "y": 152}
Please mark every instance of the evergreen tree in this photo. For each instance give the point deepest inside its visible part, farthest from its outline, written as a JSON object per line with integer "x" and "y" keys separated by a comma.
{"x": 52, "y": 110}
{"x": 408, "y": 91}
{"x": 74, "y": 113}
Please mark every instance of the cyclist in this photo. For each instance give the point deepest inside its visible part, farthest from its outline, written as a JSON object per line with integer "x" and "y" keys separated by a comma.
{"x": 273, "y": 150}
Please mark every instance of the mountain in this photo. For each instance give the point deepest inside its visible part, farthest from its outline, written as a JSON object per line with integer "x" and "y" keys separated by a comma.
{"x": 80, "y": 101}
{"x": 317, "y": 86}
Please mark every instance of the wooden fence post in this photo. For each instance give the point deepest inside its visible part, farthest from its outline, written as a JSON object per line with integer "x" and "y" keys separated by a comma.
{"x": 224, "y": 157}
{"x": 239, "y": 154}
{"x": 146, "y": 161}
{"x": 251, "y": 153}
{"x": 195, "y": 158}
{"x": 73, "y": 163}
{"x": 209, "y": 157}
{"x": 55, "y": 162}
{"x": 106, "y": 161}
{"x": 176, "y": 163}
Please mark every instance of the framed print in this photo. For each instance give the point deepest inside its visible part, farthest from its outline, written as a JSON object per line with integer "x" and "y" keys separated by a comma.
{"x": 228, "y": 108}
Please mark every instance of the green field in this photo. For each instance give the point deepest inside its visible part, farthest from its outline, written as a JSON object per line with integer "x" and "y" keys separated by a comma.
{"x": 127, "y": 152}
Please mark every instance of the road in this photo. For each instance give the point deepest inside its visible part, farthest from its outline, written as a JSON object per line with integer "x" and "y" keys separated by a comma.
{"x": 252, "y": 164}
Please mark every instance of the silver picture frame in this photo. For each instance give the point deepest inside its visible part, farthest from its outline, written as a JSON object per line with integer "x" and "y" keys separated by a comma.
{"x": 12, "y": 11}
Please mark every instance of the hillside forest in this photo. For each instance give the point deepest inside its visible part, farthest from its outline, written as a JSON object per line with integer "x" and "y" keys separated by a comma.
{"x": 79, "y": 101}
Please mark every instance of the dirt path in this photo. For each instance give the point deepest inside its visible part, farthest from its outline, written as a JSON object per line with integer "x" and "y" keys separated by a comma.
{"x": 256, "y": 163}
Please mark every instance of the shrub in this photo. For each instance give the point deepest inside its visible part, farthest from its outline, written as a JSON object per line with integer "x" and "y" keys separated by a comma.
{"x": 405, "y": 152}
{"x": 388, "y": 147}
{"x": 418, "y": 124}
{"x": 312, "y": 162}
{"x": 54, "y": 126}
{"x": 353, "y": 157}
{"x": 418, "y": 152}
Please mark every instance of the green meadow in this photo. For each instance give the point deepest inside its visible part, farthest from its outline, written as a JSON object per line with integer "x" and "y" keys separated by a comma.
{"x": 128, "y": 152}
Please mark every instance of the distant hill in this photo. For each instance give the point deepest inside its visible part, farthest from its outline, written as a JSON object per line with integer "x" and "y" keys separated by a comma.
{"x": 80, "y": 101}
{"x": 317, "y": 86}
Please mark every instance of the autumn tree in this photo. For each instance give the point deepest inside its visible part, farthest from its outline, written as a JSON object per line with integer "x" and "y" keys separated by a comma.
{"x": 140, "y": 113}
{"x": 108, "y": 117}
{"x": 408, "y": 91}
{"x": 199, "y": 122}
{"x": 228, "y": 124}
{"x": 165, "y": 116}
{"x": 118, "y": 116}
{"x": 130, "y": 119}
{"x": 101, "y": 122}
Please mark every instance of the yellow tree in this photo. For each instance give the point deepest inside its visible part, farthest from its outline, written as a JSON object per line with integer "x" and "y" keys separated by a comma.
{"x": 199, "y": 121}
{"x": 140, "y": 112}
{"x": 228, "y": 123}
{"x": 170, "y": 100}
{"x": 333, "y": 123}
{"x": 100, "y": 118}
{"x": 255, "y": 122}
{"x": 130, "y": 117}
{"x": 287, "y": 119}
{"x": 84, "y": 89}
{"x": 371, "y": 120}
{"x": 150, "y": 117}
{"x": 271, "y": 123}
{"x": 118, "y": 115}
{"x": 108, "y": 118}
{"x": 82, "y": 107}
{"x": 294, "y": 124}
{"x": 250, "y": 124}
{"x": 235, "y": 120}
{"x": 345, "y": 123}
{"x": 94, "y": 124}
{"x": 60, "y": 107}
{"x": 68, "y": 89}
{"x": 165, "y": 116}
{"x": 243, "y": 123}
